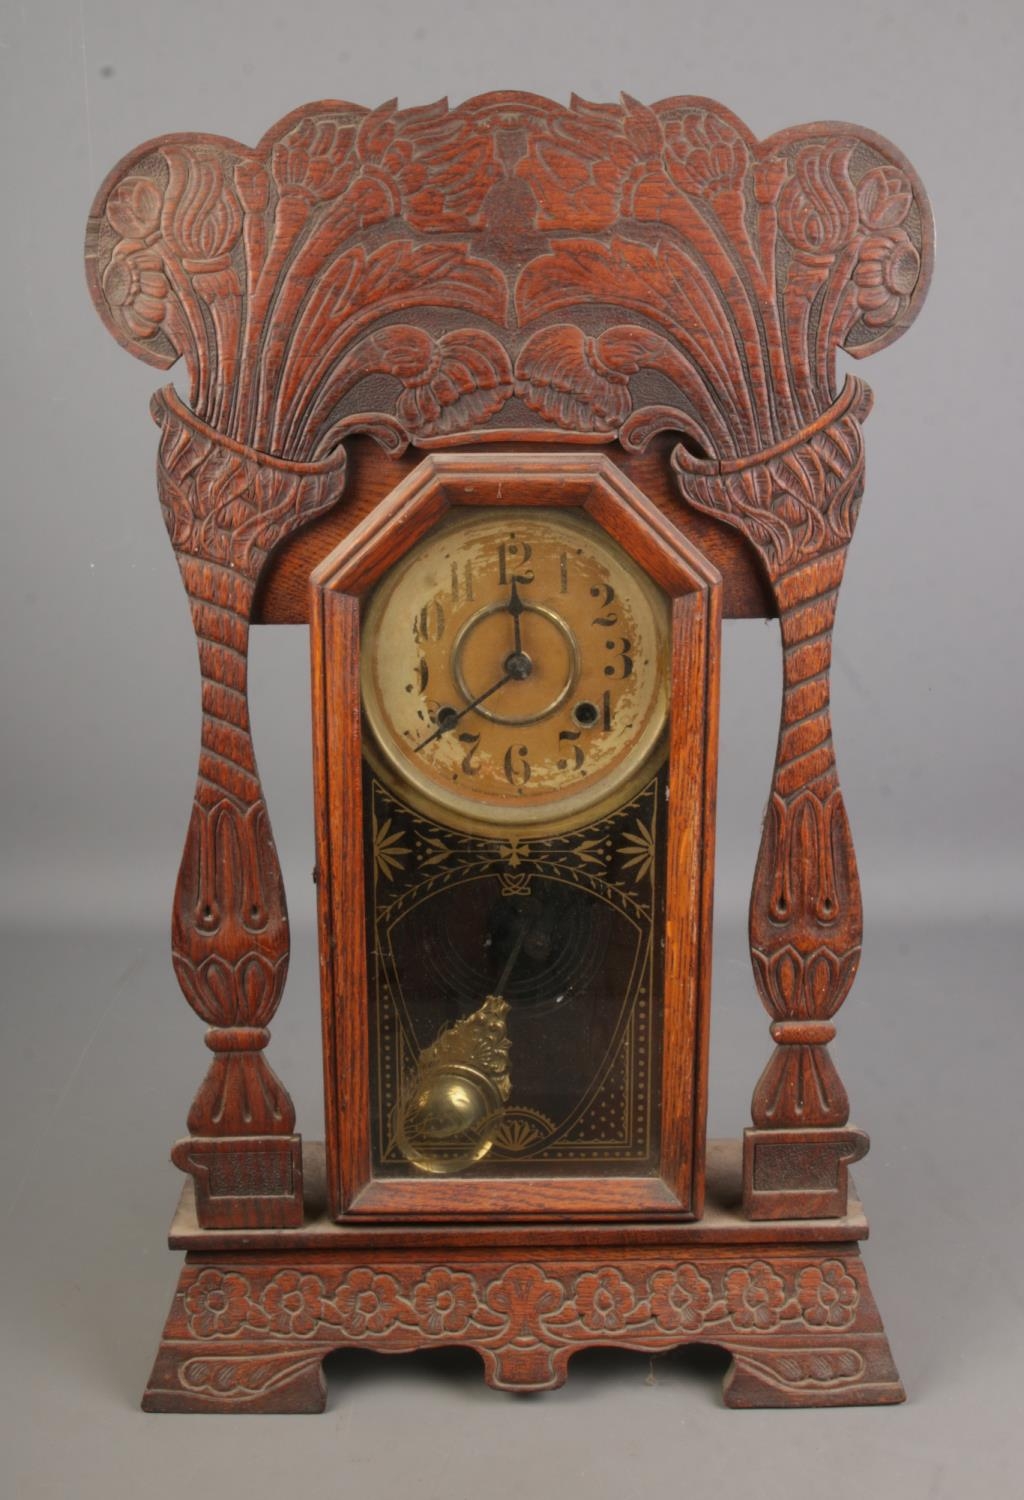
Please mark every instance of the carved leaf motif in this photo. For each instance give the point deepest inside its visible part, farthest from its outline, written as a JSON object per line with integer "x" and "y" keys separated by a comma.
{"x": 577, "y": 173}
{"x": 582, "y": 383}
{"x": 315, "y": 158}
{"x": 795, "y": 503}
{"x": 799, "y": 1086}
{"x": 446, "y": 272}
{"x": 241, "y": 1095}
{"x": 453, "y": 168}
{"x": 561, "y": 375}
{"x": 223, "y": 505}
{"x": 705, "y": 154}
{"x": 797, "y": 986}
{"x": 359, "y": 288}
{"x": 664, "y": 283}
{"x": 468, "y": 378}
{"x": 825, "y": 1367}
{"x": 436, "y": 165}
{"x": 241, "y": 1377}
{"x": 450, "y": 384}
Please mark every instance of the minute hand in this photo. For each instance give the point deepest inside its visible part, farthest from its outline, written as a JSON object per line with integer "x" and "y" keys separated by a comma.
{"x": 451, "y": 723}
{"x": 515, "y": 607}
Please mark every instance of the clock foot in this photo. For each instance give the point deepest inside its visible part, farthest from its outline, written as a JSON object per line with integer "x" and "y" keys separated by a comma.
{"x": 836, "y": 1372}
{"x": 205, "y": 1376}
{"x": 248, "y": 1331}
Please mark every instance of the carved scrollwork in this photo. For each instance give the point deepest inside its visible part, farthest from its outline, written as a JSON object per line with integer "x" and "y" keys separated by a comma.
{"x": 277, "y": 273}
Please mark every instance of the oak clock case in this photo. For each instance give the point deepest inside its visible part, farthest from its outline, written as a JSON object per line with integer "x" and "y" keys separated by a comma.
{"x": 493, "y": 361}
{"x": 534, "y": 677}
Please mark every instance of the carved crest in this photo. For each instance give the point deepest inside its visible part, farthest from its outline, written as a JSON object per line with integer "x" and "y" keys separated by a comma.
{"x": 604, "y": 270}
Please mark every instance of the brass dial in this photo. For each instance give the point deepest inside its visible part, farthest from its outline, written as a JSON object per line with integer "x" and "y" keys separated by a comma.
{"x": 515, "y": 669}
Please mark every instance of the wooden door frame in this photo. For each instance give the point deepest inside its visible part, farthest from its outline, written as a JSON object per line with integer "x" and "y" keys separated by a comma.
{"x": 590, "y": 482}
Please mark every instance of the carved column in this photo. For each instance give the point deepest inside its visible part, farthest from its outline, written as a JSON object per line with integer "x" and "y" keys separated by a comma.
{"x": 225, "y": 507}
{"x": 797, "y": 504}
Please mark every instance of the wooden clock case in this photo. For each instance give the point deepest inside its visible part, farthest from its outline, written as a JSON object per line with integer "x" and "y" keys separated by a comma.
{"x": 638, "y": 309}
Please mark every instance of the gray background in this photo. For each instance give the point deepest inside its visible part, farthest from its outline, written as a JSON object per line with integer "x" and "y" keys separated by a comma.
{"x": 100, "y": 721}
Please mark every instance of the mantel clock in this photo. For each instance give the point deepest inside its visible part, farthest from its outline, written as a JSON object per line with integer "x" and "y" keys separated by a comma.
{"x": 510, "y": 403}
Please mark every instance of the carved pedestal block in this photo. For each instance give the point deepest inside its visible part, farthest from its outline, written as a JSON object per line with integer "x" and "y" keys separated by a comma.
{"x": 799, "y": 1174}
{"x": 244, "y": 1180}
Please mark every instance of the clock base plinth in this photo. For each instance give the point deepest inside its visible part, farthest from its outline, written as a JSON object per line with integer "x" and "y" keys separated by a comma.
{"x": 256, "y": 1312}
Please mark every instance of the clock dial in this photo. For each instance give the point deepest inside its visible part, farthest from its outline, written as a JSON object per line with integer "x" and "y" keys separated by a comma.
{"x": 515, "y": 669}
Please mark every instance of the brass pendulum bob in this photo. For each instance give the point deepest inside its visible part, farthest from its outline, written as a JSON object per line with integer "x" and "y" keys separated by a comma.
{"x": 454, "y": 1101}
{"x": 451, "y": 1108}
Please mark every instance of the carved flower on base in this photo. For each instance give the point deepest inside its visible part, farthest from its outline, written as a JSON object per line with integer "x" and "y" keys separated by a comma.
{"x": 524, "y": 1295}
{"x": 827, "y": 1295}
{"x": 220, "y": 1304}
{"x": 603, "y": 1300}
{"x": 754, "y": 1295}
{"x": 296, "y": 1304}
{"x": 680, "y": 1299}
{"x": 444, "y": 1301}
{"x": 885, "y": 276}
{"x": 368, "y": 1303}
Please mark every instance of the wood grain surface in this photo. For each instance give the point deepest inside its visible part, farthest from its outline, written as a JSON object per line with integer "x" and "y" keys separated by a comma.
{"x": 512, "y": 274}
